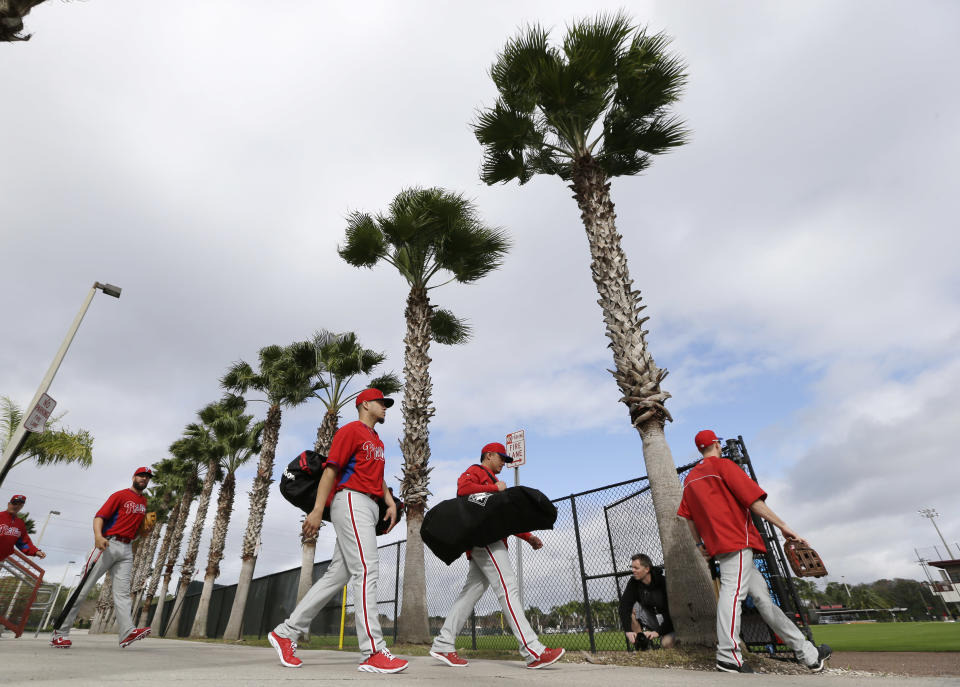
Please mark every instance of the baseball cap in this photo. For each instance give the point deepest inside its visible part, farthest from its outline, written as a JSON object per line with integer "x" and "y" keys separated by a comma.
{"x": 704, "y": 438}
{"x": 18, "y": 498}
{"x": 499, "y": 449}
{"x": 143, "y": 471}
{"x": 373, "y": 395}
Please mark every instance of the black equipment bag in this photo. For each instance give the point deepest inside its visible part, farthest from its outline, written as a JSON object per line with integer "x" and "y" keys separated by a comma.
{"x": 457, "y": 525}
{"x": 300, "y": 481}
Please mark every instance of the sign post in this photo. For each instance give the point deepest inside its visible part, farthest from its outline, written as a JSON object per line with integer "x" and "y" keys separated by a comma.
{"x": 517, "y": 449}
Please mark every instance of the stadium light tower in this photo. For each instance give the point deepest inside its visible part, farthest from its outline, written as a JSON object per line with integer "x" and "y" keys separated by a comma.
{"x": 20, "y": 435}
{"x": 932, "y": 513}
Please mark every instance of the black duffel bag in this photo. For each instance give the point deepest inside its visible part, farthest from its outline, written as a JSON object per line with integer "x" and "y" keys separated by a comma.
{"x": 457, "y": 525}
{"x": 300, "y": 481}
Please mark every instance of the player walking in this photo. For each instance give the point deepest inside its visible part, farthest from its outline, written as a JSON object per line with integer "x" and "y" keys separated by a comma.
{"x": 114, "y": 528}
{"x": 353, "y": 474}
{"x": 13, "y": 530}
{"x": 489, "y": 565}
{"x": 718, "y": 500}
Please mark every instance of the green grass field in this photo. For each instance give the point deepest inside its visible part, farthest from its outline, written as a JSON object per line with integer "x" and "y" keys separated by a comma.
{"x": 889, "y": 636}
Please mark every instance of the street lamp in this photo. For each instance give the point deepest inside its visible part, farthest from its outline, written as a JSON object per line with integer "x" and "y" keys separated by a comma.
{"x": 20, "y": 435}
{"x": 45, "y": 523}
{"x": 932, "y": 513}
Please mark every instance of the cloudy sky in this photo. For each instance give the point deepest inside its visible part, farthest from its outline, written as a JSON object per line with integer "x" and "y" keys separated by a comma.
{"x": 796, "y": 257}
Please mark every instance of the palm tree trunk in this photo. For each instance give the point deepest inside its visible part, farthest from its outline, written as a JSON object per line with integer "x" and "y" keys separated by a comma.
{"x": 172, "y": 555}
{"x": 98, "y": 625}
{"x": 325, "y": 432}
{"x": 158, "y": 565}
{"x": 414, "y": 625}
{"x": 193, "y": 546}
{"x": 258, "y": 504}
{"x": 692, "y": 603}
{"x": 217, "y": 543}
{"x": 146, "y": 553}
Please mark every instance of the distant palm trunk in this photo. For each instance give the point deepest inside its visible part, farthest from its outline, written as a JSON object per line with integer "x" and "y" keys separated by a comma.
{"x": 147, "y": 551}
{"x": 158, "y": 565}
{"x": 413, "y": 622}
{"x": 251, "y": 538}
{"x": 172, "y": 555}
{"x": 217, "y": 543}
{"x": 98, "y": 625}
{"x": 193, "y": 546}
{"x": 325, "y": 432}
{"x": 639, "y": 379}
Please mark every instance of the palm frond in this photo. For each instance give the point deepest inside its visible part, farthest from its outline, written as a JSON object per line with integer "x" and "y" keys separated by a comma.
{"x": 388, "y": 384}
{"x": 446, "y": 328}
{"x": 364, "y": 244}
{"x": 240, "y": 377}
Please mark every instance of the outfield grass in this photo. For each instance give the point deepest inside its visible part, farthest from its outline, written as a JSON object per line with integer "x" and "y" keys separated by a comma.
{"x": 889, "y": 636}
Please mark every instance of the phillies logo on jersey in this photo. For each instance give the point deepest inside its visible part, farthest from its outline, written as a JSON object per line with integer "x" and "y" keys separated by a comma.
{"x": 372, "y": 450}
{"x": 8, "y": 531}
{"x": 130, "y": 508}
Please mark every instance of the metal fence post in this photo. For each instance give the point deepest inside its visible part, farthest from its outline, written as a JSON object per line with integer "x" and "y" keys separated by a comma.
{"x": 473, "y": 627}
{"x": 583, "y": 576}
{"x": 396, "y": 595}
{"x": 613, "y": 565}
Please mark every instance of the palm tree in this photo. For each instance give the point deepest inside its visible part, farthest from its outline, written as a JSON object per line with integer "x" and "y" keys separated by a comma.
{"x": 425, "y": 233}
{"x": 54, "y": 446}
{"x": 164, "y": 481}
{"x": 286, "y": 379}
{"x": 340, "y": 358}
{"x": 239, "y": 441}
{"x": 198, "y": 441}
{"x": 158, "y": 501}
{"x": 12, "y": 13}
{"x": 595, "y": 108}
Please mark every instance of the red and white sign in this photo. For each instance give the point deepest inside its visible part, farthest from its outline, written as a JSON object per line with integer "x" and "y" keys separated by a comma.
{"x": 37, "y": 420}
{"x": 517, "y": 448}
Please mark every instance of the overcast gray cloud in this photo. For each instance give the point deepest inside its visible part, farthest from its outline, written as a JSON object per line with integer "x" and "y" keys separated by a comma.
{"x": 797, "y": 257}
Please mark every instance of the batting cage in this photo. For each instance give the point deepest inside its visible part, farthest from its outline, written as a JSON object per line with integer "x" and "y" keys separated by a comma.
{"x": 570, "y": 589}
{"x": 20, "y": 582}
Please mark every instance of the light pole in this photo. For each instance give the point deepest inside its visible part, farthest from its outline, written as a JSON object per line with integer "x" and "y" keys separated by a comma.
{"x": 843, "y": 579}
{"x": 20, "y": 435}
{"x": 44, "y": 528}
{"x": 46, "y": 616}
{"x": 932, "y": 513}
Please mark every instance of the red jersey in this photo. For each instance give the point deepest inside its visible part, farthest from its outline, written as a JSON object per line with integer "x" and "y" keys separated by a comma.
{"x": 717, "y": 495}
{"x": 476, "y": 479}
{"x": 122, "y": 513}
{"x": 357, "y": 453}
{"x": 13, "y": 533}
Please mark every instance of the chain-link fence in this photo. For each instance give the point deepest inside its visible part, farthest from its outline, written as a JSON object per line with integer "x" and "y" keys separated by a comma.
{"x": 570, "y": 589}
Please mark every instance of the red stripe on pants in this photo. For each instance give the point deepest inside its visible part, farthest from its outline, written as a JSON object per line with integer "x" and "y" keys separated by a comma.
{"x": 506, "y": 595}
{"x": 736, "y": 607}
{"x": 356, "y": 535}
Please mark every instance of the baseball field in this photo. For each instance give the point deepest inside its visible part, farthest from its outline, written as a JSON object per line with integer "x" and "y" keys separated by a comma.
{"x": 890, "y": 636}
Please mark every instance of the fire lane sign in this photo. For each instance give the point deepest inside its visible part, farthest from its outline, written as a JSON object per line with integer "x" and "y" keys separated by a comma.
{"x": 517, "y": 448}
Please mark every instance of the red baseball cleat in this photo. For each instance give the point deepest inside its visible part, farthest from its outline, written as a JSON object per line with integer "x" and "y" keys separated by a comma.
{"x": 382, "y": 662}
{"x": 548, "y": 657}
{"x": 60, "y": 642}
{"x": 451, "y": 659}
{"x": 286, "y": 649}
{"x": 139, "y": 633}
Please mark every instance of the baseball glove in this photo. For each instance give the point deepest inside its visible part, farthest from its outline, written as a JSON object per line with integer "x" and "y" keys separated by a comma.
{"x": 803, "y": 559}
{"x": 149, "y": 522}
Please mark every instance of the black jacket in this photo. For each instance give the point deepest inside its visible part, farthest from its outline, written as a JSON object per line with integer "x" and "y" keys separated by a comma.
{"x": 652, "y": 597}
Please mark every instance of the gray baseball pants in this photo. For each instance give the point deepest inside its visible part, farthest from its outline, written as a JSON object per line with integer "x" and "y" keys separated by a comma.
{"x": 739, "y": 577}
{"x": 118, "y": 561}
{"x": 490, "y": 566}
{"x": 355, "y": 559}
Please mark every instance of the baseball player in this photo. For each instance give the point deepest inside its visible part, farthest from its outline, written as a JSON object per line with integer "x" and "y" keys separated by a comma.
{"x": 718, "y": 500}
{"x": 490, "y": 565}
{"x": 13, "y": 530}
{"x": 353, "y": 476}
{"x": 114, "y": 528}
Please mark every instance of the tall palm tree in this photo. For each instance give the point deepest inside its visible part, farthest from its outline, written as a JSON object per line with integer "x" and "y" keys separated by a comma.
{"x": 426, "y": 234}
{"x": 239, "y": 441}
{"x": 286, "y": 378}
{"x": 164, "y": 481}
{"x": 198, "y": 441}
{"x": 158, "y": 501}
{"x": 54, "y": 446}
{"x": 340, "y": 358}
{"x": 594, "y": 108}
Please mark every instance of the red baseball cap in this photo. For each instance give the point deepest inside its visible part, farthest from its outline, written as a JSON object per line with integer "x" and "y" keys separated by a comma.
{"x": 18, "y": 498}
{"x": 373, "y": 395}
{"x": 499, "y": 449}
{"x": 704, "y": 438}
{"x": 143, "y": 471}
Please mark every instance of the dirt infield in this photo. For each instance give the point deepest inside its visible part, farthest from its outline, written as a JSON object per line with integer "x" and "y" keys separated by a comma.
{"x": 919, "y": 663}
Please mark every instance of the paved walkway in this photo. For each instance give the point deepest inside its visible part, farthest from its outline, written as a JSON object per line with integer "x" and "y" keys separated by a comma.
{"x": 97, "y": 660}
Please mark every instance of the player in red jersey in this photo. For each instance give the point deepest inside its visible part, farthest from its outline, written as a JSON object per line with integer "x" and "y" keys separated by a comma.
{"x": 718, "y": 502}
{"x": 351, "y": 483}
{"x": 490, "y": 565}
{"x": 13, "y": 530}
{"x": 114, "y": 529}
